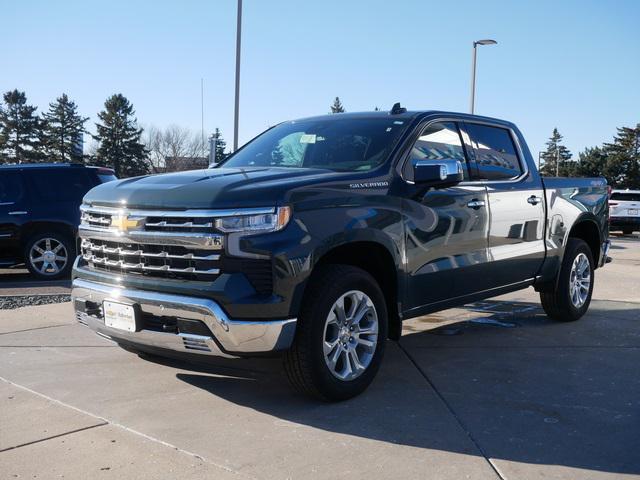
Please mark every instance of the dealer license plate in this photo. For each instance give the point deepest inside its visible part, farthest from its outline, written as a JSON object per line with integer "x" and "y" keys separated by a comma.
{"x": 120, "y": 316}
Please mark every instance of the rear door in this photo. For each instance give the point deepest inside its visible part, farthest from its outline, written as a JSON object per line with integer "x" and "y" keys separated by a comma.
{"x": 516, "y": 205}
{"x": 60, "y": 191}
{"x": 14, "y": 212}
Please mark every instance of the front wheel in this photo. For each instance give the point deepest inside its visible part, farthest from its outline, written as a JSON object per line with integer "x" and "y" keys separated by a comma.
{"x": 340, "y": 336}
{"x": 571, "y": 298}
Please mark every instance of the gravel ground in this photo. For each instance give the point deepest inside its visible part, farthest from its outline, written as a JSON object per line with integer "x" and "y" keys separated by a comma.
{"x": 16, "y": 301}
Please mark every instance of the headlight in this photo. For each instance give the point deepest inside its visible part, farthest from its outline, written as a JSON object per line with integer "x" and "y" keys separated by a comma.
{"x": 260, "y": 223}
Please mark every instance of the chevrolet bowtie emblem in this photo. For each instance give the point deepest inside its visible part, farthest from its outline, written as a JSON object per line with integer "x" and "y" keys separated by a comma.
{"x": 125, "y": 223}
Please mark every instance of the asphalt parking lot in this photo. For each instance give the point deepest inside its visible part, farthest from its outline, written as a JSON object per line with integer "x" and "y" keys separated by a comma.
{"x": 495, "y": 391}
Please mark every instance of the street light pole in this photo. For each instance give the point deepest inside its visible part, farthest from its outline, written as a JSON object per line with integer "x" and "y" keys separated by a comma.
{"x": 237, "y": 100}
{"x": 473, "y": 69}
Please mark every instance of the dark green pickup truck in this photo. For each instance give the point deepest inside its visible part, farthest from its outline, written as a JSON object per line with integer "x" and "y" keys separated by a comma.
{"x": 317, "y": 238}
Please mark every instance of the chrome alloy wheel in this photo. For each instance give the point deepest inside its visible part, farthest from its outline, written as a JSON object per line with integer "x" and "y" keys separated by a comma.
{"x": 48, "y": 256}
{"x": 350, "y": 335}
{"x": 580, "y": 280}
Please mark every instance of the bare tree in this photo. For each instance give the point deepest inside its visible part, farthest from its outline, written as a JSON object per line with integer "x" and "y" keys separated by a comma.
{"x": 174, "y": 148}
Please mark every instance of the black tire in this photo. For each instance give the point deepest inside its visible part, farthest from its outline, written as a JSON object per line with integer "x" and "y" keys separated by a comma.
{"x": 627, "y": 231}
{"x": 305, "y": 363}
{"x": 557, "y": 303}
{"x": 38, "y": 269}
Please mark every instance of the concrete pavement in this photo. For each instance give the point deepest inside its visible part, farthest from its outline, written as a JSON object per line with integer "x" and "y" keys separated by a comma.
{"x": 497, "y": 391}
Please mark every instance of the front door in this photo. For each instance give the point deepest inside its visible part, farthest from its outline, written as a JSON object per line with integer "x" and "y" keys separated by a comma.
{"x": 446, "y": 228}
{"x": 13, "y": 213}
{"x": 516, "y": 205}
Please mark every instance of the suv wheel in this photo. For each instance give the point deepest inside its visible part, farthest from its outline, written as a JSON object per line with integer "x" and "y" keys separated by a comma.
{"x": 49, "y": 255}
{"x": 340, "y": 336}
{"x": 572, "y": 295}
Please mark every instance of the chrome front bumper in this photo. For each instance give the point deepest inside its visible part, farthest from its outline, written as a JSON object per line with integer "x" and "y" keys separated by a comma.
{"x": 229, "y": 337}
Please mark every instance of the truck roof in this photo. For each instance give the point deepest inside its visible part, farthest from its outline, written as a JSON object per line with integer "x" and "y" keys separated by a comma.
{"x": 48, "y": 165}
{"x": 408, "y": 115}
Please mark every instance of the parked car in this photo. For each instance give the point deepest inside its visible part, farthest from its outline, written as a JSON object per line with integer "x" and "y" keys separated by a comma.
{"x": 39, "y": 214}
{"x": 624, "y": 211}
{"x": 320, "y": 236}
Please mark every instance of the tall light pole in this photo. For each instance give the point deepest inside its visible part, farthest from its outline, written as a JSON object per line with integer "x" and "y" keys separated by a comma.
{"x": 237, "y": 104}
{"x": 473, "y": 68}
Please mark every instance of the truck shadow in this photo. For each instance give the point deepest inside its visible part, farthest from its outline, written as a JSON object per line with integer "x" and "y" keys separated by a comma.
{"x": 513, "y": 383}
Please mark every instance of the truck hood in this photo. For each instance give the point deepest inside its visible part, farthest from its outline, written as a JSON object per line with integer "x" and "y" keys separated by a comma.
{"x": 211, "y": 188}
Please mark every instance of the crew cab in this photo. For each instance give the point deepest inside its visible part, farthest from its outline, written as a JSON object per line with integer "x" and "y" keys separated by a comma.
{"x": 320, "y": 236}
{"x": 39, "y": 214}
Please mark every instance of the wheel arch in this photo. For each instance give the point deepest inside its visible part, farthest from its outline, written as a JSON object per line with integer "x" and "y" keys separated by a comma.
{"x": 38, "y": 227}
{"x": 377, "y": 259}
{"x": 586, "y": 228}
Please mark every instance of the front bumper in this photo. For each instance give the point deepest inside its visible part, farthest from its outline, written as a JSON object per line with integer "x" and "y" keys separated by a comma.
{"x": 223, "y": 336}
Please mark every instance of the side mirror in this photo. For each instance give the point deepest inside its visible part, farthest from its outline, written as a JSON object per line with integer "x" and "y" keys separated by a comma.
{"x": 441, "y": 173}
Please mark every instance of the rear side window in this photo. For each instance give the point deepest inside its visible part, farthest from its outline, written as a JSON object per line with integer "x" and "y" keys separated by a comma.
{"x": 496, "y": 156}
{"x": 625, "y": 197}
{"x": 438, "y": 141}
{"x": 61, "y": 185}
{"x": 11, "y": 189}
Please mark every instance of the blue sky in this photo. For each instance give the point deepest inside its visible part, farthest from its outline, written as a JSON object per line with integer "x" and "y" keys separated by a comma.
{"x": 567, "y": 64}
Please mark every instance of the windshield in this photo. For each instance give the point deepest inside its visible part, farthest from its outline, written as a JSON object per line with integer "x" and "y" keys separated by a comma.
{"x": 347, "y": 144}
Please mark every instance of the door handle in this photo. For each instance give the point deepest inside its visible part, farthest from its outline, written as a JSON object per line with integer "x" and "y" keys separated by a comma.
{"x": 18, "y": 212}
{"x": 533, "y": 200}
{"x": 475, "y": 203}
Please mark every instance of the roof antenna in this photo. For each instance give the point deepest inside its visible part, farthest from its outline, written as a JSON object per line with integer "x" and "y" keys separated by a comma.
{"x": 397, "y": 109}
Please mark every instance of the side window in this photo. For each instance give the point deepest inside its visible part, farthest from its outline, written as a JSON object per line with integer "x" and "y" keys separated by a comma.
{"x": 496, "y": 155}
{"x": 11, "y": 189}
{"x": 61, "y": 185}
{"x": 438, "y": 141}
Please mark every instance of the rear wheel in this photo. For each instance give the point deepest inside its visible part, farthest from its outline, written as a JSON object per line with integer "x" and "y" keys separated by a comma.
{"x": 340, "y": 336}
{"x": 571, "y": 298}
{"x": 49, "y": 255}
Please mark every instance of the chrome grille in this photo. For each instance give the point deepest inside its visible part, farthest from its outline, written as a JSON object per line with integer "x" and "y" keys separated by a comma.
{"x": 178, "y": 224}
{"x": 166, "y": 244}
{"x": 149, "y": 259}
{"x": 96, "y": 219}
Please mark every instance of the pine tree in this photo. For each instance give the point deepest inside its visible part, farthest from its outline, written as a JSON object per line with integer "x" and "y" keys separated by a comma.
{"x": 221, "y": 146}
{"x": 592, "y": 162}
{"x": 119, "y": 138}
{"x": 19, "y": 130}
{"x": 556, "y": 151}
{"x": 623, "y": 166}
{"x": 337, "y": 106}
{"x": 63, "y": 129}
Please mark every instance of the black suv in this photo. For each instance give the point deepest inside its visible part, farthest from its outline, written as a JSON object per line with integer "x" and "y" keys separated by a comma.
{"x": 39, "y": 214}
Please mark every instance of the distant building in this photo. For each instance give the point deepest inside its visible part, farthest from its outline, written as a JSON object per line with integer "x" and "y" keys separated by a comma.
{"x": 179, "y": 164}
